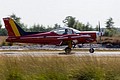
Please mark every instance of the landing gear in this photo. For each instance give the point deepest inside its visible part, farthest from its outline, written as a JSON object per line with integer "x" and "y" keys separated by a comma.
{"x": 91, "y": 50}
{"x": 67, "y": 50}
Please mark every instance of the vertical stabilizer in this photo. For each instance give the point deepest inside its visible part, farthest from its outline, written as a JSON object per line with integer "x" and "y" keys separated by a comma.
{"x": 13, "y": 28}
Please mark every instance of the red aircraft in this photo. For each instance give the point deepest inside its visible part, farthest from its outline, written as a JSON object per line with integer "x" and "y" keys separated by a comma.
{"x": 61, "y": 36}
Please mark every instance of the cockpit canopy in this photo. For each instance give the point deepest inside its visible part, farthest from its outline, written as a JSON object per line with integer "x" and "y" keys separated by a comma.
{"x": 66, "y": 31}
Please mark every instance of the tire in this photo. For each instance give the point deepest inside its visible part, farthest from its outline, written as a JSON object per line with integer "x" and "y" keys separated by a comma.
{"x": 91, "y": 50}
{"x": 67, "y": 50}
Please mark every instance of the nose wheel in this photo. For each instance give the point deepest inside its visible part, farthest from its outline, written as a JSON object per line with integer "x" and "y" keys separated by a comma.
{"x": 67, "y": 50}
{"x": 91, "y": 50}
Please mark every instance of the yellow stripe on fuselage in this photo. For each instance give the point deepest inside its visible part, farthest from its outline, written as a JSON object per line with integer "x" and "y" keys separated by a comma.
{"x": 14, "y": 28}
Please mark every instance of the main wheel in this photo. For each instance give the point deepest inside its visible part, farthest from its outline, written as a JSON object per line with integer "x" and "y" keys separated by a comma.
{"x": 67, "y": 50}
{"x": 91, "y": 50}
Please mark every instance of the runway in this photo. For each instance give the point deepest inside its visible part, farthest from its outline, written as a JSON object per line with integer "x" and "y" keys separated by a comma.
{"x": 59, "y": 53}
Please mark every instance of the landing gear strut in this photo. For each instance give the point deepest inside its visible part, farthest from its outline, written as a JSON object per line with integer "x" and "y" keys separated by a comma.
{"x": 68, "y": 49}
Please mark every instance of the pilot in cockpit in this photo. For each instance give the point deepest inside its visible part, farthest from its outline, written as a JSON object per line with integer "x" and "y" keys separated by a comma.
{"x": 66, "y": 32}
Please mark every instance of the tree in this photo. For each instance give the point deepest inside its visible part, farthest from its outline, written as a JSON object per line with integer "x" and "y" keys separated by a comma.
{"x": 88, "y": 27}
{"x": 69, "y": 21}
{"x": 0, "y": 25}
{"x": 79, "y": 26}
{"x": 3, "y": 32}
{"x": 109, "y": 23}
{"x": 56, "y": 26}
{"x": 17, "y": 20}
{"x": 97, "y": 28}
{"x": 37, "y": 28}
{"x": 110, "y": 29}
{"x": 72, "y": 22}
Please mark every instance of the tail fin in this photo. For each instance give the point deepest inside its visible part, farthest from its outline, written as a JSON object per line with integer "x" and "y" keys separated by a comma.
{"x": 13, "y": 28}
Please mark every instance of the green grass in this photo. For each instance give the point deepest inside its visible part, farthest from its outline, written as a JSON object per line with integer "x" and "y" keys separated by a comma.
{"x": 59, "y": 68}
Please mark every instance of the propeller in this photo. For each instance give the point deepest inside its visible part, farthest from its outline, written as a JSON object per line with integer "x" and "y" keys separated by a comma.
{"x": 100, "y": 32}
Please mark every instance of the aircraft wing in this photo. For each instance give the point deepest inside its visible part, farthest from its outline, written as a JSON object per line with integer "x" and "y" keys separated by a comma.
{"x": 74, "y": 37}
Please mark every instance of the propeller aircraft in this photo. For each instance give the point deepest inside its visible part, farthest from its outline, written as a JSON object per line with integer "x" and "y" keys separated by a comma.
{"x": 62, "y": 36}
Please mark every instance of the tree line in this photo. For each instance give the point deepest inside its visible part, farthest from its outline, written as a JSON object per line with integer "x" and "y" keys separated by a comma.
{"x": 69, "y": 21}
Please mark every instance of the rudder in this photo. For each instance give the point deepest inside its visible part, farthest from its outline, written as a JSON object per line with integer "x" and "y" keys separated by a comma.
{"x": 13, "y": 28}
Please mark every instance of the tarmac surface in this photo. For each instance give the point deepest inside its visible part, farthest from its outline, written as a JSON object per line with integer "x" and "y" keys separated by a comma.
{"x": 59, "y": 53}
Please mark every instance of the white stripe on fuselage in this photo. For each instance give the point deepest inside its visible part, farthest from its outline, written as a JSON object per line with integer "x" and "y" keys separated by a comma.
{"x": 81, "y": 36}
{"x": 58, "y": 37}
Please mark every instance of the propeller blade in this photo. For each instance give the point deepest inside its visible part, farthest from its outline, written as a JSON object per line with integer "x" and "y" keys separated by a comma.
{"x": 100, "y": 33}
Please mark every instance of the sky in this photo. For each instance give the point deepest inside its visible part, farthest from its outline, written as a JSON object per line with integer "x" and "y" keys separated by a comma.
{"x": 50, "y": 12}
